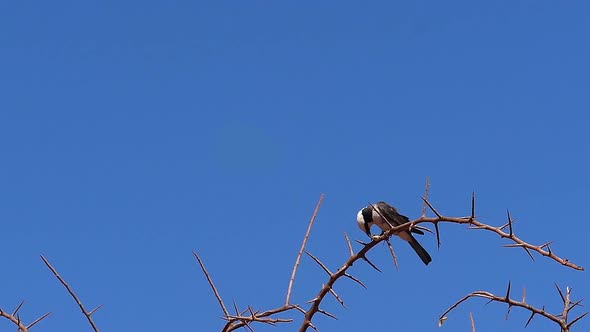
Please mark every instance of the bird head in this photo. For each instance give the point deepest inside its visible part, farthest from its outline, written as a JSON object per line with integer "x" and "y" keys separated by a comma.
{"x": 363, "y": 220}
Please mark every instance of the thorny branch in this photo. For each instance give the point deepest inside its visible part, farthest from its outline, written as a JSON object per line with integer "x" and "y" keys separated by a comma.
{"x": 219, "y": 299}
{"x": 86, "y": 313}
{"x": 14, "y": 317}
{"x": 298, "y": 260}
{"x": 561, "y": 319}
{"x": 243, "y": 320}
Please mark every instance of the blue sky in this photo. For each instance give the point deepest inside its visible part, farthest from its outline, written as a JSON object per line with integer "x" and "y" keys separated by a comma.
{"x": 134, "y": 132}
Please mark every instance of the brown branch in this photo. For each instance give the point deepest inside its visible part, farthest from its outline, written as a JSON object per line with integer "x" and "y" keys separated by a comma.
{"x": 15, "y": 320}
{"x": 342, "y": 271}
{"x": 392, "y": 254}
{"x": 298, "y": 260}
{"x": 479, "y": 225}
{"x": 317, "y": 260}
{"x": 74, "y": 296}
{"x": 349, "y": 244}
{"x": 239, "y": 321}
{"x": 519, "y": 242}
{"x": 327, "y": 314}
{"x": 20, "y": 305}
{"x": 38, "y": 320}
{"x": 560, "y": 319}
{"x": 338, "y": 298}
{"x": 431, "y": 207}
{"x": 94, "y": 310}
{"x": 577, "y": 319}
{"x": 531, "y": 318}
{"x": 243, "y": 321}
{"x": 353, "y": 278}
{"x": 208, "y": 276}
{"x": 313, "y": 327}
{"x": 371, "y": 264}
{"x": 435, "y": 220}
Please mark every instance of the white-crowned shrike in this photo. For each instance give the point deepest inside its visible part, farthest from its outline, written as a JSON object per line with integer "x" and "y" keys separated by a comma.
{"x": 369, "y": 216}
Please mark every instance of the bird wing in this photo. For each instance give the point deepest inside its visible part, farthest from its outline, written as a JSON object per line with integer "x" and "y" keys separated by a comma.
{"x": 396, "y": 219}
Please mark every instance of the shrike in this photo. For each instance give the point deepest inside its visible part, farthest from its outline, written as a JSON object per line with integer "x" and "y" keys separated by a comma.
{"x": 369, "y": 216}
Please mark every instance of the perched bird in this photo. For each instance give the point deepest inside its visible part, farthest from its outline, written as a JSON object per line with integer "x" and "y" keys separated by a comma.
{"x": 369, "y": 216}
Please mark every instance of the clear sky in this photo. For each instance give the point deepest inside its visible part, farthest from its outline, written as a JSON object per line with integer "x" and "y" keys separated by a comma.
{"x": 132, "y": 132}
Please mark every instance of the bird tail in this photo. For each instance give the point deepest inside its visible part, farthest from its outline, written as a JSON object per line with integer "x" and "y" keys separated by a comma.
{"x": 422, "y": 253}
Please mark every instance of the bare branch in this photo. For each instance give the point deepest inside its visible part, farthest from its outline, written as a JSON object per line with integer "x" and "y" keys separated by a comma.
{"x": 431, "y": 207}
{"x": 577, "y": 319}
{"x": 494, "y": 298}
{"x": 249, "y": 327}
{"x": 392, "y": 253}
{"x": 15, "y": 312}
{"x": 94, "y": 310}
{"x": 312, "y": 326}
{"x": 208, "y": 276}
{"x": 561, "y": 319}
{"x": 63, "y": 282}
{"x": 236, "y": 308}
{"x": 575, "y": 304}
{"x": 529, "y": 253}
{"x": 530, "y": 319}
{"x": 440, "y": 218}
{"x": 349, "y": 244}
{"x": 298, "y": 260}
{"x": 15, "y": 320}
{"x": 240, "y": 320}
{"x": 338, "y": 298}
{"x": 38, "y": 320}
{"x": 351, "y": 277}
{"x": 459, "y": 220}
{"x": 319, "y": 263}
{"x": 517, "y": 241}
{"x": 327, "y": 314}
{"x": 371, "y": 263}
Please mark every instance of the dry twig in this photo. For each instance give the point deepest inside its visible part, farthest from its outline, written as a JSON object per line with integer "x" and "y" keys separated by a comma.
{"x": 63, "y": 282}
{"x": 561, "y": 319}
{"x": 298, "y": 260}
{"x": 208, "y": 276}
{"x": 241, "y": 320}
{"x": 15, "y": 318}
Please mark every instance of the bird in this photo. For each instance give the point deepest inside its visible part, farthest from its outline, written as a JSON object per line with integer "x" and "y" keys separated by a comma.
{"x": 374, "y": 214}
